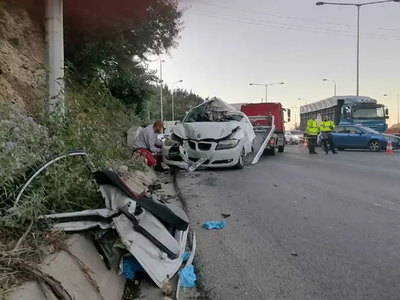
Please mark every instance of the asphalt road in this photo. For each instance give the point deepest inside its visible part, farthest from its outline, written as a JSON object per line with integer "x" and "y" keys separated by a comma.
{"x": 300, "y": 227}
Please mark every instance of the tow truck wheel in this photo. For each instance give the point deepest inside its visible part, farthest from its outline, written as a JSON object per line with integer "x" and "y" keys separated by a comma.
{"x": 281, "y": 149}
{"x": 241, "y": 160}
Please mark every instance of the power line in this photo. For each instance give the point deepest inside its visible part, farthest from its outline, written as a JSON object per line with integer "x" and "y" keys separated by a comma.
{"x": 318, "y": 31}
{"x": 287, "y": 17}
{"x": 297, "y": 27}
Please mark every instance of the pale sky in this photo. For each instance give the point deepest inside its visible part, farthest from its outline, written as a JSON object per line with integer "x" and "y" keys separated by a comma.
{"x": 226, "y": 44}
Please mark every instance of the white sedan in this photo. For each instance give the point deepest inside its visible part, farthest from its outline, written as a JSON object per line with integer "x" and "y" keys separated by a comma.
{"x": 213, "y": 131}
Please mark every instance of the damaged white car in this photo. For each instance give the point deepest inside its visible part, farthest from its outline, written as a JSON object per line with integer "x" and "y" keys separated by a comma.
{"x": 213, "y": 134}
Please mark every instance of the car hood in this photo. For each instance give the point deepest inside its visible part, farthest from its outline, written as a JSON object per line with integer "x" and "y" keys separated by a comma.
{"x": 206, "y": 130}
{"x": 393, "y": 137}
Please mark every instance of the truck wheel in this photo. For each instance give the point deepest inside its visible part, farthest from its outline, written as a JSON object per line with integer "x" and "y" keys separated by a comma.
{"x": 281, "y": 149}
{"x": 241, "y": 160}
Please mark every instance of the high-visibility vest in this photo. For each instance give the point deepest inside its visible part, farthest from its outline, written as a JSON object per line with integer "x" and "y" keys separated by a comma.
{"x": 326, "y": 126}
{"x": 312, "y": 127}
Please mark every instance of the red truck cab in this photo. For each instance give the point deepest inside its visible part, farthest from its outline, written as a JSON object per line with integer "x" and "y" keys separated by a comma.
{"x": 269, "y": 108}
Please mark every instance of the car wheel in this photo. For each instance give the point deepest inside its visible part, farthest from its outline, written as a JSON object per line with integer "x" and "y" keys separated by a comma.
{"x": 241, "y": 160}
{"x": 375, "y": 146}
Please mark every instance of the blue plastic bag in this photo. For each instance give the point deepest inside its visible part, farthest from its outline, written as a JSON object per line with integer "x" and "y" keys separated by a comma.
{"x": 188, "y": 277}
{"x": 214, "y": 225}
{"x": 185, "y": 256}
{"x": 130, "y": 266}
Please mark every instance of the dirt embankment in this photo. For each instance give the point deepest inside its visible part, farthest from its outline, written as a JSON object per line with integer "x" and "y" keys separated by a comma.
{"x": 22, "y": 54}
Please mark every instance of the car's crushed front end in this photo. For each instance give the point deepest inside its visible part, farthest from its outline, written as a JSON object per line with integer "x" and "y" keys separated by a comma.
{"x": 214, "y": 132}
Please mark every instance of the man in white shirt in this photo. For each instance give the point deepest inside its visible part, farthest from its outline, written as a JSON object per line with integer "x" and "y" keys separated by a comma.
{"x": 146, "y": 143}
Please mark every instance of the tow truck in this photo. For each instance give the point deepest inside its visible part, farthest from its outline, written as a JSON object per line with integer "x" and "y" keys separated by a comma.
{"x": 268, "y": 121}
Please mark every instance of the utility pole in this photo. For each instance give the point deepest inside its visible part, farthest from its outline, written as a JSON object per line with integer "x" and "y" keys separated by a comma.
{"x": 55, "y": 56}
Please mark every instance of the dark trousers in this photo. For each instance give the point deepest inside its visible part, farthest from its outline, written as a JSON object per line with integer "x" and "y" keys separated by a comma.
{"x": 325, "y": 143}
{"x": 312, "y": 141}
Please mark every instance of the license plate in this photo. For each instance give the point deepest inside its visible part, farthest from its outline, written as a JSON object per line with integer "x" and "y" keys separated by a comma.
{"x": 197, "y": 164}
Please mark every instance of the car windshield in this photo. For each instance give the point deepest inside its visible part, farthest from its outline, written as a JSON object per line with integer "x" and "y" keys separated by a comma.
{"x": 368, "y": 113}
{"x": 215, "y": 111}
{"x": 368, "y": 130}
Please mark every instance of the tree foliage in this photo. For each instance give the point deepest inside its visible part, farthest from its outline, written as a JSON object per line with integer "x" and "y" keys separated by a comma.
{"x": 108, "y": 40}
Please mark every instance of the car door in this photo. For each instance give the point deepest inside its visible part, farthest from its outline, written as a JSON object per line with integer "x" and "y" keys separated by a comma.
{"x": 356, "y": 138}
{"x": 339, "y": 137}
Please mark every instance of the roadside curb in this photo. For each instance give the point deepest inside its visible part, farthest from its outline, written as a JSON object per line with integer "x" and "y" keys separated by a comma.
{"x": 180, "y": 196}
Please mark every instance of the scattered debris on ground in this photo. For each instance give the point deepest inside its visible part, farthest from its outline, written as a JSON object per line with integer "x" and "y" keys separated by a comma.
{"x": 133, "y": 231}
{"x": 214, "y": 225}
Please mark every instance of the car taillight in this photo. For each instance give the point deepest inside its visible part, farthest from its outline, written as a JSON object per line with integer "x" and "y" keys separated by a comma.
{"x": 271, "y": 142}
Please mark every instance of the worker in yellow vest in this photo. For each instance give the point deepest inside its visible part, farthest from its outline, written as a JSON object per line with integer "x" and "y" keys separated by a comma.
{"x": 326, "y": 127}
{"x": 312, "y": 132}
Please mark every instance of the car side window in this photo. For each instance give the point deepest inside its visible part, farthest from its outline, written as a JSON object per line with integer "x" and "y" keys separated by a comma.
{"x": 353, "y": 130}
{"x": 338, "y": 129}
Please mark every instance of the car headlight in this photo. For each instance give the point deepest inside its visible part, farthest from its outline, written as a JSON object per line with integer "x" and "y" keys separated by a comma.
{"x": 171, "y": 143}
{"x": 172, "y": 140}
{"x": 227, "y": 144}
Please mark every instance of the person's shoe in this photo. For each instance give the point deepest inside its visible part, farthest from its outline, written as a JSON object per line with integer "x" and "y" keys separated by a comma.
{"x": 326, "y": 153}
{"x": 334, "y": 152}
{"x": 315, "y": 153}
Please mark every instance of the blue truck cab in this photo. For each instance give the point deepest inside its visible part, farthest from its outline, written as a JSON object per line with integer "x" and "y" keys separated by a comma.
{"x": 345, "y": 110}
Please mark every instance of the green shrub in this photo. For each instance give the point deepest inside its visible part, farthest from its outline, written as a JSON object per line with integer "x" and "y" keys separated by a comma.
{"x": 95, "y": 122}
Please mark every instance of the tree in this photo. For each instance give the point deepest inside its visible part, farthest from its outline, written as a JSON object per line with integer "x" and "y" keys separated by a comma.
{"x": 108, "y": 41}
{"x": 100, "y": 33}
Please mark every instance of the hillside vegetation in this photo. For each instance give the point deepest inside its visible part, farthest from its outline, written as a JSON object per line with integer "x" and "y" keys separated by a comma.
{"x": 109, "y": 88}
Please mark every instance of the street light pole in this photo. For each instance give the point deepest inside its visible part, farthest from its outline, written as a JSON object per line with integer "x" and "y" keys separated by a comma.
{"x": 172, "y": 104}
{"x": 301, "y": 99}
{"x": 358, "y": 5}
{"x": 334, "y": 85}
{"x": 358, "y": 51}
{"x": 266, "y": 87}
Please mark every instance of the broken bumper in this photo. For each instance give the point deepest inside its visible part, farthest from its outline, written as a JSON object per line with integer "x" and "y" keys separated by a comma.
{"x": 173, "y": 155}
